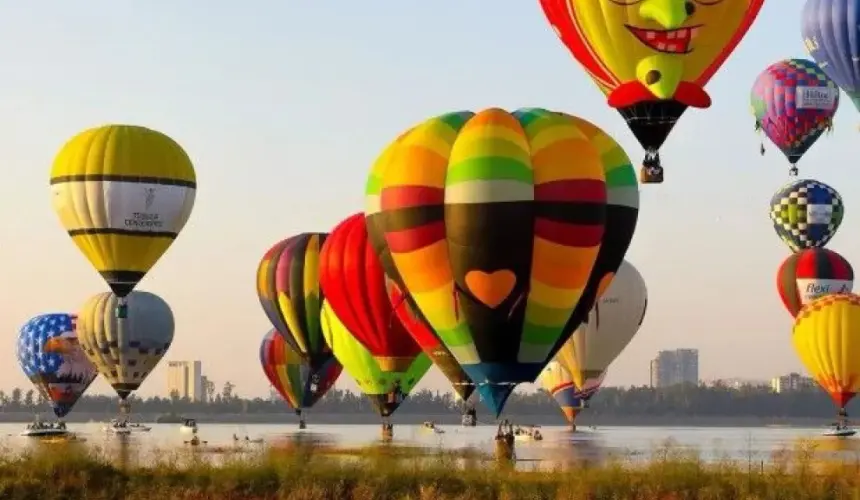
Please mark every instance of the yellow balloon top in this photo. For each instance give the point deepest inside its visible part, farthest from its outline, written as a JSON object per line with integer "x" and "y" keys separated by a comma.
{"x": 123, "y": 193}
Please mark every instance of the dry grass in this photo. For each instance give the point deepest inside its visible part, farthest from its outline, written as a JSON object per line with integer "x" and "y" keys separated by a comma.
{"x": 298, "y": 472}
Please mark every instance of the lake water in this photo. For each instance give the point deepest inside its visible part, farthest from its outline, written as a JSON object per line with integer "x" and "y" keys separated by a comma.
{"x": 593, "y": 445}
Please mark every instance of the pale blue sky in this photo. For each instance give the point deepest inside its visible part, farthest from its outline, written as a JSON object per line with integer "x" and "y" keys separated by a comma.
{"x": 284, "y": 105}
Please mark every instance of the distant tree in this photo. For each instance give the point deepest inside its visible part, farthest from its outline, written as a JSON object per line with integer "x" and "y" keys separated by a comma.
{"x": 209, "y": 390}
{"x": 16, "y": 397}
{"x": 29, "y": 399}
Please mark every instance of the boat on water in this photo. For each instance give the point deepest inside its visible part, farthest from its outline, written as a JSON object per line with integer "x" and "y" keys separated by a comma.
{"x": 527, "y": 433}
{"x": 117, "y": 426}
{"x": 40, "y": 429}
{"x": 431, "y": 427}
{"x": 189, "y": 426}
{"x": 840, "y": 430}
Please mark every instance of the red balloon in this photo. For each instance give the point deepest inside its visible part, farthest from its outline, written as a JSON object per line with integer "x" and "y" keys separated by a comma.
{"x": 808, "y": 274}
{"x": 354, "y": 285}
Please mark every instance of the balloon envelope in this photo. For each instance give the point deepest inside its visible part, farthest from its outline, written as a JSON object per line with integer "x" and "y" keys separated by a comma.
{"x": 386, "y": 389}
{"x": 52, "y": 358}
{"x": 288, "y": 286}
{"x": 806, "y": 213}
{"x": 494, "y": 221}
{"x": 291, "y": 375}
{"x": 557, "y": 381}
{"x": 829, "y": 30}
{"x": 126, "y": 350}
{"x": 794, "y": 103}
{"x": 811, "y": 273}
{"x": 610, "y": 326}
{"x": 123, "y": 193}
{"x": 353, "y": 282}
{"x": 827, "y": 339}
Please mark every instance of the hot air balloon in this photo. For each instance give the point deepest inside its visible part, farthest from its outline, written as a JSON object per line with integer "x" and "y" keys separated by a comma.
{"x": 289, "y": 291}
{"x": 292, "y": 376}
{"x": 350, "y": 258}
{"x": 806, "y": 213}
{"x": 456, "y": 190}
{"x": 829, "y": 30}
{"x": 125, "y": 351}
{"x": 353, "y": 283}
{"x": 558, "y": 382}
{"x": 826, "y": 337}
{"x": 49, "y": 354}
{"x": 652, "y": 58}
{"x": 123, "y": 193}
{"x": 794, "y": 103}
{"x": 622, "y": 212}
{"x": 811, "y": 273}
{"x": 610, "y": 326}
{"x": 386, "y": 388}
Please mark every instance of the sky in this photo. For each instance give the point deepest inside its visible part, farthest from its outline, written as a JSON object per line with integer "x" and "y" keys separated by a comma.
{"x": 283, "y": 107}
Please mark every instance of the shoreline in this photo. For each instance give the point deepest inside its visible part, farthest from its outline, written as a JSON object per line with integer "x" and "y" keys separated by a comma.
{"x": 584, "y": 420}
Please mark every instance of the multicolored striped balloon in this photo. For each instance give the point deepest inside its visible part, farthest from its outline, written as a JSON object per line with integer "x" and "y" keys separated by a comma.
{"x": 794, "y": 102}
{"x": 299, "y": 385}
{"x": 811, "y": 273}
{"x": 494, "y": 222}
{"x": 289, "y": 290}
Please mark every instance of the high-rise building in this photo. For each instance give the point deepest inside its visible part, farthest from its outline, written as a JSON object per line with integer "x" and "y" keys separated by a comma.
{"x": 185, "y": 380}
{"x": 680, "y": 366}
{"x": 791, "y": 382}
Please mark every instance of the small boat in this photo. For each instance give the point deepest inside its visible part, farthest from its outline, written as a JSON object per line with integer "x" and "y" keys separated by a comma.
{"x": 39, "y": 429}
{"x": 528, "y": 433}
{"x": 189, "y": 426}
{"x": 117, "y": 426}
{"x": 840, "y": 430}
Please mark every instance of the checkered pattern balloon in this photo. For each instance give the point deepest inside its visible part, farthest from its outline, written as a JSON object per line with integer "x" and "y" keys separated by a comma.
{"x": 806, "y": 213}
{"x": 790, "y": 108}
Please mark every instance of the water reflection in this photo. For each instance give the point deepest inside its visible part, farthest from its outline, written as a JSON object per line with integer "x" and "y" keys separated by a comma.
{"x": 464, "y": 446}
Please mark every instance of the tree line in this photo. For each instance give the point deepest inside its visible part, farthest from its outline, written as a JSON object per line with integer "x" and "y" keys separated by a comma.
{"x": 680, "y": 400}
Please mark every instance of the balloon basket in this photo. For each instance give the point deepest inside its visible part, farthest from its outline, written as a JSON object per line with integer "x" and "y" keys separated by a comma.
{"x": 651, "y": 175}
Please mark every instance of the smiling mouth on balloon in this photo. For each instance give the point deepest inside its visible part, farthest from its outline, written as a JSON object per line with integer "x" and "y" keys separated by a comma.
{"x": 676, "y": 41}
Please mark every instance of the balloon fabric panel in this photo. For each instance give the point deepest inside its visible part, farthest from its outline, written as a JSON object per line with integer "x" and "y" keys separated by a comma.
{"x": 51, "y": 357}
{"x": 402, "y": 302}
{"x": 462, "y": 186}
{"x": 353, "y": 282}
{"x": 288, "y": 288}
{"x": 123, "y": 193}
{"x": 622, "y": 213}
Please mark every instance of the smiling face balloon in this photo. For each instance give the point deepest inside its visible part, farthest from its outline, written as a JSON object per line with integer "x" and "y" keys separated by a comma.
{"x": 640, "y": 50}
{"x": 652, "y": 58}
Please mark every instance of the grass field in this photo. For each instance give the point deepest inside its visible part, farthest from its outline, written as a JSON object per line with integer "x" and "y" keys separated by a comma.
{"x": 68, "y": 472}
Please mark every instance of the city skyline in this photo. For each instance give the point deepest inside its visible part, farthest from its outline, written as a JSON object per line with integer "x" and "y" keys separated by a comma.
{"x": 283, "y": 120}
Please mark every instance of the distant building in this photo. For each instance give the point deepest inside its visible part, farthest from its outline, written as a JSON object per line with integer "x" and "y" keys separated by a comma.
{"x": 185, "y": 380}
{"x": 791, "y": 382}
{"x": 680, "y": 366}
